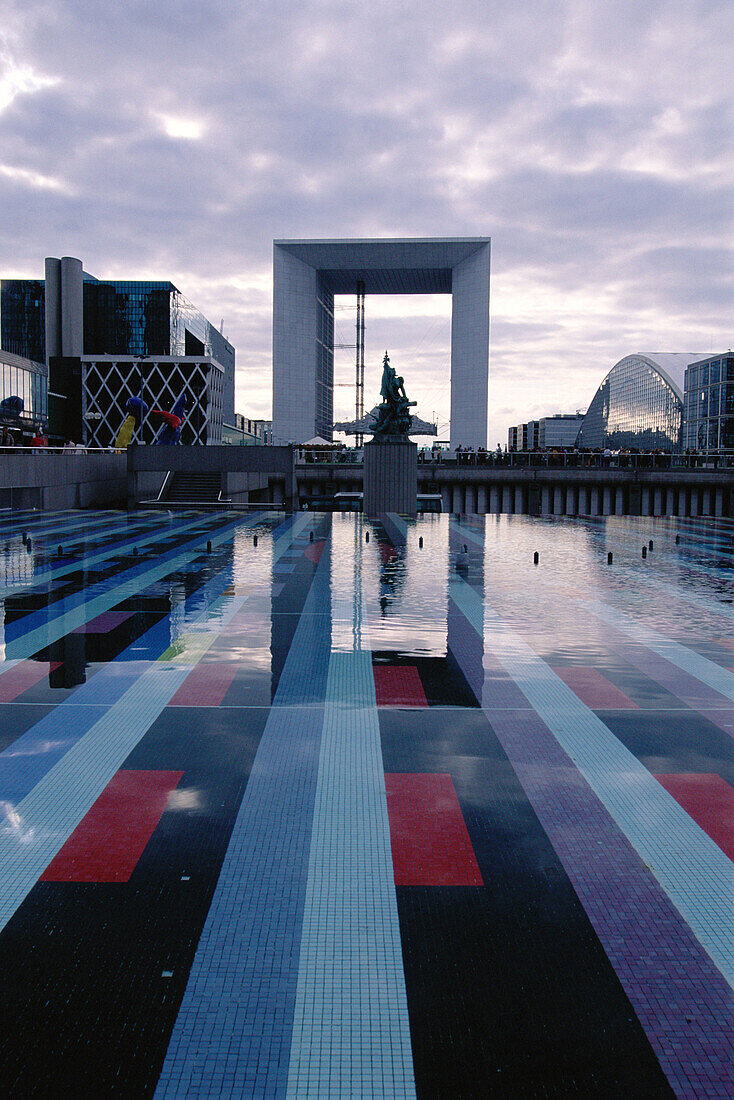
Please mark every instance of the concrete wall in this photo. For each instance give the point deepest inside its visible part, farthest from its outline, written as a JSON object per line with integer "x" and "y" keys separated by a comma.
{"x": 50, "y": 481}
{"x": 550, "y": 492}
{"x": 249, "y": 474}
{"x": 470, "y": 350}
{"x": 295, "y": 328}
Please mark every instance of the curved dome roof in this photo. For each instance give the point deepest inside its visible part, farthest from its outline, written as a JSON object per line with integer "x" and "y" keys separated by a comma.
{"x": 639, "y": 403}
{"x": 671, "y": 364}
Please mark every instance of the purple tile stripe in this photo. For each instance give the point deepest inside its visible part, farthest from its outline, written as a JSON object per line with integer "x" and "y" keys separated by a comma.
{"x": 594, "y": 689}
{"x": 685, "y": 1008}
{"x": 700, "y": 697}
{"x": 105, "y": 622}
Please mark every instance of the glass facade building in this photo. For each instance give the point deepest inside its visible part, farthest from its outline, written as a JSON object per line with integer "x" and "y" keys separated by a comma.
{"x": 120, "y": 318}
{"x": 23, "y": 378}
{"x": 639, "y": 405}
{"x": 709, "y": 405}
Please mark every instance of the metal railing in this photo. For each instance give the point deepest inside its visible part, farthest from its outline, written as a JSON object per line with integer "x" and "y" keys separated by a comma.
{"x": 571, "y": 460}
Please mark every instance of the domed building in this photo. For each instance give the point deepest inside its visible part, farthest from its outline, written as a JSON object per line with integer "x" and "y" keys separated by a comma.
{"x": 639, "y": 404}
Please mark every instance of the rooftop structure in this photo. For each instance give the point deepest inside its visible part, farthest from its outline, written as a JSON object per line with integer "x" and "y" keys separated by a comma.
{"x": 307, "y": 275}
{"x": 291, "y": 812}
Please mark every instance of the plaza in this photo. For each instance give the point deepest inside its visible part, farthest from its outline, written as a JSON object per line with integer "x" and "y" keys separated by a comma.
{"x": 328, "y": 805}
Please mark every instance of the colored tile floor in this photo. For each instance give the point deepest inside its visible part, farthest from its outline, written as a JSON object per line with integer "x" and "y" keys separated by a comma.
{"x": 290, "y": 811}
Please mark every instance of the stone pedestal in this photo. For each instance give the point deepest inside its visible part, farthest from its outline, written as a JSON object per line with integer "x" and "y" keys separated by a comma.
{"x": 390, "y": 476}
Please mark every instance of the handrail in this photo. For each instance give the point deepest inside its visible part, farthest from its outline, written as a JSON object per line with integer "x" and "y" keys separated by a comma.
{"x": 541, "y": 460}
{"x": 78, "y": 450}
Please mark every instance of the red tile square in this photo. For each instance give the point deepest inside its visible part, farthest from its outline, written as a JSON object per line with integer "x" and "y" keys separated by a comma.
{"x": 109, "y": 840}
{"x": 398, "y": 685}
{"x": 429, "y": 838}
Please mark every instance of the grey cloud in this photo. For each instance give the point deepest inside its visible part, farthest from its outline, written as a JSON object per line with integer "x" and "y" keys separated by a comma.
{"x": 529, "y": 124}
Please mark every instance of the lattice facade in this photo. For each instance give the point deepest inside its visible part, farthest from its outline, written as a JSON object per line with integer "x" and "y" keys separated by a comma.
{"x": 108, "y": 382}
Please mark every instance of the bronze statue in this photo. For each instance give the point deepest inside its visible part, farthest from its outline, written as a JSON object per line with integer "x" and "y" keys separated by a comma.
{"x": 393, "y": 416}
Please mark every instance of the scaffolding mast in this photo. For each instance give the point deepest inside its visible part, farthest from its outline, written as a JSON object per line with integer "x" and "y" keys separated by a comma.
{"x": 359, "y": 366}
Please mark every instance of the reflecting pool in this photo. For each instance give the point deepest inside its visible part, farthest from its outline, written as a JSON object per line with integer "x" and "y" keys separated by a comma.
{"x": 323, "y": 805}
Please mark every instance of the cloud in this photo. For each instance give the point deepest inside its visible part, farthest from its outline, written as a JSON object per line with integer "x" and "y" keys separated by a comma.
{"x": 592, "y": 142}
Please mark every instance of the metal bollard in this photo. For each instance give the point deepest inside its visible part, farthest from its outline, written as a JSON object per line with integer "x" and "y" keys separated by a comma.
{"x": 310, "y": 536}
{"x": 677, "y": 540}
{"x": 366, "y": 536}
{"x": 208, "y": 546}
{"x": 650, "y": 544}
{"x": 254, "y": 540}
{"x": 610, "y": 558}
{"x": 58, "y": 551}
{"x": 536, "y": 558}
{"x": 420, "y": 542}
{"x": 644, "y": 551}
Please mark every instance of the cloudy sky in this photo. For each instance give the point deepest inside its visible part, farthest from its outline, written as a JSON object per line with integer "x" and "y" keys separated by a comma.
{"x": 591, "y": 140}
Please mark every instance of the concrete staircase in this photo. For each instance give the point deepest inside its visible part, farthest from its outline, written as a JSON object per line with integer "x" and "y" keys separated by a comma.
{"x": 189, "y": 487}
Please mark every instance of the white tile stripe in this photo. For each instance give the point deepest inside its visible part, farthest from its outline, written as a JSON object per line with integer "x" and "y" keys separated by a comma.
{"x": 709, "y": 673}
{"x": 694, "y": 872}
{"x": 351, "y": 1032}
{"x": 38, "y": 827}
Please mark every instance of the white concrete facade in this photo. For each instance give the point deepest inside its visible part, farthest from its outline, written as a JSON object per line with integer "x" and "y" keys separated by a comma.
{"x": 307, "y": 275}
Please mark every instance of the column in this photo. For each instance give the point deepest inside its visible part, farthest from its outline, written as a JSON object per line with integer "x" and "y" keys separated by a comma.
{"x": 619, "y": 501}
{"x": 693, "y": 502}
{"x": 658, "y": 499}
{"x": 481, "y": 500}
{"x": 607, "y": 500}
{"x": 72, "y": 291}
{"x": 719, "y": 503}
{"x": 507, "y": 500}
{"x": 669, "y": 502}
{"x": 446, "y": 498}
{"x": 583, "y": 500}
{"x": 706, "y": 503}
{"x": 494, "y": 500}
{"x": 470, "y": 500}
{"x": 545, "y": 501}
{"x": 594, "y": 504}
{"x": 645, "y": 509}
{"x": 52, "y": 296}
{"x": 519, "y": 507}
{"x": 457, "y": 499}
{"x": 571, "y": 500}
{"x": 558, "y": 501}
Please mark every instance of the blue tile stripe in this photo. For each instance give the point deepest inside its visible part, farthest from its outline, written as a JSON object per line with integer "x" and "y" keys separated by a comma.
{"x": 139, "y": 536}
{"x": 35, "y": 631}
{"x": 351, "y": 1033}
{"x": 27, "y": 759}
{"x": 34, "y": 829}
{"x": 232, "y": 1035}
{"x": 691, "y": 868}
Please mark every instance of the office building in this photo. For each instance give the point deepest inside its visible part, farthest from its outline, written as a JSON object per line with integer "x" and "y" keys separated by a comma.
{"x": 559, "y": 432}
{"x": 639, "y": 405}
{"x": 708, "y": 419}
{"x": 26, "y": 379}
{"x": 70, "y": 314}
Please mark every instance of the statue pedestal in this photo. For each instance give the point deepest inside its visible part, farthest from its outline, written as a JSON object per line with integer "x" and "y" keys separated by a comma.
{"x": 390, "y": 476}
